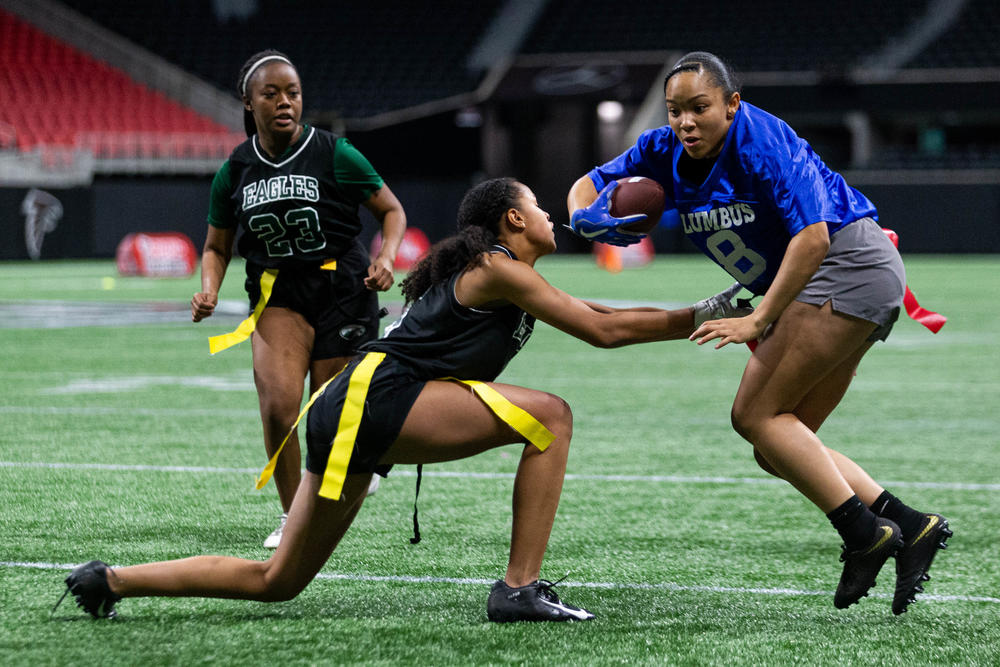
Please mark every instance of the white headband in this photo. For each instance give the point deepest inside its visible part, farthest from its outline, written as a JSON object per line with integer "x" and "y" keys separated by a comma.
{"x": 246, "y": 77}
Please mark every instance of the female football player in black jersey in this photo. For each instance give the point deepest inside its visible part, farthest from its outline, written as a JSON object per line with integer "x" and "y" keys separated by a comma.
{"x": 425, "y": 393}
{"x": 295, "y": 191}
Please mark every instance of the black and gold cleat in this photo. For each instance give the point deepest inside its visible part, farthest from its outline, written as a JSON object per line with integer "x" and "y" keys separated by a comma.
{"x": 862, "y": 566}
{"x": 915, "y": 558}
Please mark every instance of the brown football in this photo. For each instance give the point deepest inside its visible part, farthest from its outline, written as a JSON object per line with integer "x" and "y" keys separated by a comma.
{"x": 635, "y": 195}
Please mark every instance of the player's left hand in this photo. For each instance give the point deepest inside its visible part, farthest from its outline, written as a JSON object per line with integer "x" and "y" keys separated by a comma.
{"x": 380, "y": 276}
{"x": 729, "y": 330}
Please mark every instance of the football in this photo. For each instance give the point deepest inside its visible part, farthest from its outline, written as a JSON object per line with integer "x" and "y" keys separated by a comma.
{"x": 634, "y": 195}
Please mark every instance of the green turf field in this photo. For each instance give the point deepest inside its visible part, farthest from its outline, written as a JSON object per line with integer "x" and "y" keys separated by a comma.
{"x": 124, "y": 440}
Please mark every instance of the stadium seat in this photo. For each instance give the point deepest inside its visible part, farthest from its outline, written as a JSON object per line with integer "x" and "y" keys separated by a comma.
{"x": 55, "y": 92}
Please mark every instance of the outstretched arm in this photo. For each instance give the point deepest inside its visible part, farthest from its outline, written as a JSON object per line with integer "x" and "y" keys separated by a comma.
{"x": 504, "y": 279}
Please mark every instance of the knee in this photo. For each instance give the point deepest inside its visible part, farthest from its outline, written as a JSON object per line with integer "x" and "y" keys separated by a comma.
{"x": 275, "y": 404}
{"x": 742, "y": 421}
{"x": 557, "y": 416}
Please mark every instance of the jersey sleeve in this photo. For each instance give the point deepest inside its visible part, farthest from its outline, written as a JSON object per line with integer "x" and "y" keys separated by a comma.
{"x": 220, "y": 207}
{"x": 633, "y": 162}
{"x": 796, "y": 186}
{"x": 355, "y": 175}
{"x": 650, "y": 156}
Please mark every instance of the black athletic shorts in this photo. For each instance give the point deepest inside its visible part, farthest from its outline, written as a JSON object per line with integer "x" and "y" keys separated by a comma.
{"x": 338, "y": 306}
{"x": 393, "y": 389}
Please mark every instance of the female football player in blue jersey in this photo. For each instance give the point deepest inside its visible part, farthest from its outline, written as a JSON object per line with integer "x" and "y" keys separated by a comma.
{"x": 755, "y": 198}
{"x": 294, "y": 190}
{"x": 425, "y": 393}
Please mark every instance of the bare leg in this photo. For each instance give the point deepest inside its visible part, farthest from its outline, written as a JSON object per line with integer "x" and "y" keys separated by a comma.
{"x": 449, "y": 422}
{"x": 315, "y": 526}
{"x": 813, "y": 411}
{"x": 806, "y": 345}
{"x": 322, "y": 370}
{"x": 282, "y": 344}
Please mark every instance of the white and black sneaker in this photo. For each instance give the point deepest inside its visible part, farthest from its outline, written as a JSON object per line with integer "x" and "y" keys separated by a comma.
{"x": 274, "y": 539}
{"x": 534, "y": 602}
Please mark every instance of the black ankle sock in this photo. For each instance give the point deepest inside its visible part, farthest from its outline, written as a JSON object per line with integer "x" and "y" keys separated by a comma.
{"x": 855, "y": 523}
{"x": 894, "y": 509}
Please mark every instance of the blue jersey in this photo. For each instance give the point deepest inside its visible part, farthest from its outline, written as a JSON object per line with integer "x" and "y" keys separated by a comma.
{"x": 766, "y": 186}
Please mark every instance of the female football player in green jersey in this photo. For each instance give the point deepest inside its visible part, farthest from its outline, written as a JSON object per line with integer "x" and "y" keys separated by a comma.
{"x": 425, "y": 393}
{"x": 294, "y": 191}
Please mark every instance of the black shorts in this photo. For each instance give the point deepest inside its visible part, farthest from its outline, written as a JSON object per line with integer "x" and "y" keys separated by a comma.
{"x": 336, "y": 304}
{"x": 393, "y": 389}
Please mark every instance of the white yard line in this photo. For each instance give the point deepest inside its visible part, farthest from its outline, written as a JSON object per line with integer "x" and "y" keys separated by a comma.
{"x": 606, "y": 585}
{"x": 656, "y": 479}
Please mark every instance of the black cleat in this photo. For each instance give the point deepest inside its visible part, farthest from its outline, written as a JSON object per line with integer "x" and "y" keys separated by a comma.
{"x": 534, "y": 602}
{"x": 89, "y": 585}
{"x": 861, "y": 566}
{"x": 914, "y": 559}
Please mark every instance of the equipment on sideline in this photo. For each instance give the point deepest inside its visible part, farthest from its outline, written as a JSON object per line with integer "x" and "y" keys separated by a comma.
{"x": 156, "y": 254}
{"x": 412, "y": 249}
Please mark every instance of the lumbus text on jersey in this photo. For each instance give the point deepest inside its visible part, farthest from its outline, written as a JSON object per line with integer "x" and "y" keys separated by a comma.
{"x": 715, "y": 219}
{"x": 277, "y": 188}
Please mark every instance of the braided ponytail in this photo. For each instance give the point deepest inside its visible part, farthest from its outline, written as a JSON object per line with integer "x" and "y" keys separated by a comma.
{"x": 479, "y": 216}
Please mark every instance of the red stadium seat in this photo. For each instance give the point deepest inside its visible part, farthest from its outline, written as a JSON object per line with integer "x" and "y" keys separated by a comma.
{"x": 55, "y": 92}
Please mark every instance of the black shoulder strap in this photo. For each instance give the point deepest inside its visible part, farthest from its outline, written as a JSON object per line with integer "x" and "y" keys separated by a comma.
{"x": 504, "y": 249}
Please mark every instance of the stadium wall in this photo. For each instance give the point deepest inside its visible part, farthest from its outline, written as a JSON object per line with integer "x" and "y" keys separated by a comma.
{"x": 96, "y": 218}
{"x": 930, "y": 218}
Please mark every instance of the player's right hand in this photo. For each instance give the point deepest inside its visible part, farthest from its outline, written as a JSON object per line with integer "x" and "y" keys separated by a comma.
{"x": 203, "y": 305}
{"x": 721, "y": 306}
{"x": 595, "y": 222}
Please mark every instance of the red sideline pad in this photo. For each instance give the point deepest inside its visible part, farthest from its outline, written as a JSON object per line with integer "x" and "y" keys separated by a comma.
{"x": 157, "y": 254}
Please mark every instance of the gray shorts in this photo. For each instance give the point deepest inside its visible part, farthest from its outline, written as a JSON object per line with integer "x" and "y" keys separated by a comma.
{"x": 862, "y": 275}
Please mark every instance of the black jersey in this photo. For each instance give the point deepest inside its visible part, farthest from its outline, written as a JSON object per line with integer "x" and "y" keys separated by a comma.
{"x": 301, "y": 207}
{"x": 439, "y": 337}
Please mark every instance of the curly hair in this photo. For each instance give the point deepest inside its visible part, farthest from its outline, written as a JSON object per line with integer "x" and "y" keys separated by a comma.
{"x": 479, "y": 216}
{"x": 248, "y": 125}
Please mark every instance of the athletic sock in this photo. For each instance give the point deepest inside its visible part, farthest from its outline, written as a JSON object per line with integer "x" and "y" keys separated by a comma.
{"x": 855, "y": 523}
{"x": 894, "y": 509}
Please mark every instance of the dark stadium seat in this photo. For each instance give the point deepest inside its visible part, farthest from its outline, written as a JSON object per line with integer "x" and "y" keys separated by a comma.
{"x": 768, "y": 35}
{"x": 356, "y": 59}
{"x": 970, "y": 42}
